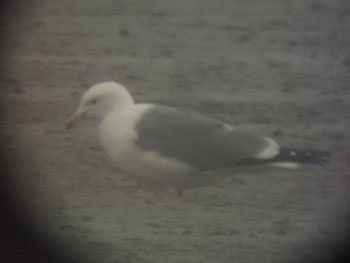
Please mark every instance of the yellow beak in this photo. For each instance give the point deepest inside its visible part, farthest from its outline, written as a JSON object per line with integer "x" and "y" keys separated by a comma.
{"x": 73, "y": 120}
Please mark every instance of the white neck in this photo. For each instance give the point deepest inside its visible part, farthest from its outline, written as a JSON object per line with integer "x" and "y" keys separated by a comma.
{"x": 121, "y": 100}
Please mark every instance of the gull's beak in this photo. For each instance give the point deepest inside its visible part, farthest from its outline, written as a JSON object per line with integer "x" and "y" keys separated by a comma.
{"x": 73, "y": 120}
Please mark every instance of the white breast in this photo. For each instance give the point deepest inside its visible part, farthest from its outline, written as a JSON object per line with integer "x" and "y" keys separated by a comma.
{"x": 117, "y": 135}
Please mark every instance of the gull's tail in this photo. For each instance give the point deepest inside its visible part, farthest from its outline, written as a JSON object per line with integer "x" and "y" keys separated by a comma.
{"x": 291, "y": 158}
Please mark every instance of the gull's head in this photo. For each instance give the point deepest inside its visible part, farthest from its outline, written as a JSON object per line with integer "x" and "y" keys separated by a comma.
{"x": 99, "y": 100}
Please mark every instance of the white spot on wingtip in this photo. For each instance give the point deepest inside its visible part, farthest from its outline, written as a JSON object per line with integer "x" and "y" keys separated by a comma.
{"x": 293, "y": 153}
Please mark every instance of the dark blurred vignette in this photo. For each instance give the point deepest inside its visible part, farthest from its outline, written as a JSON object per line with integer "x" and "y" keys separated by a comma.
{"x": 19, "y": 241}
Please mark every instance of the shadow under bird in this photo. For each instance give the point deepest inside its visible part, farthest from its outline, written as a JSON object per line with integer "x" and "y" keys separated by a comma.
{"x": 161, "y": 145}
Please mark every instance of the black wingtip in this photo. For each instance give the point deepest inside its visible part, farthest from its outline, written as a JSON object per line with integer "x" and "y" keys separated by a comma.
{"x": 293, "y": 155}
{"x": 306, "y": 156}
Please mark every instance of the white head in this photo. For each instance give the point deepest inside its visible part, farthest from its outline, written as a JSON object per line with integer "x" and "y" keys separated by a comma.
{"x": 99, "y": 100}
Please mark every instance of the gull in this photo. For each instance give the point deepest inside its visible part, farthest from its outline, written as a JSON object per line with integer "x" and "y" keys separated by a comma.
{"x": 160, "y": 145}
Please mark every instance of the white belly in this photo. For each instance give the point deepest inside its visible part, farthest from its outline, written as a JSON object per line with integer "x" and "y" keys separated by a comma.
{"x": 117, "y": 136}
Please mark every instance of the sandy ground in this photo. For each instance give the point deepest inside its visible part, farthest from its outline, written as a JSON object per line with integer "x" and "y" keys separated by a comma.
{"x": 278, "y": 67}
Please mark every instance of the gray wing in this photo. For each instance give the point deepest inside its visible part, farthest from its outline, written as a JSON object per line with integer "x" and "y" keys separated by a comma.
{"x": 195, "y": 140}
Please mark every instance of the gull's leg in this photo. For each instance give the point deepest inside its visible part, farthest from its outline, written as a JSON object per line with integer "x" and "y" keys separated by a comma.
{"x": 175, "y": 191}
{"x": 179, "y": 192}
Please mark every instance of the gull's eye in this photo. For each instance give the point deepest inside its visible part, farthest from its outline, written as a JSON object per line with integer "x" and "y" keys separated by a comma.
{"x": 93, "y": 101}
